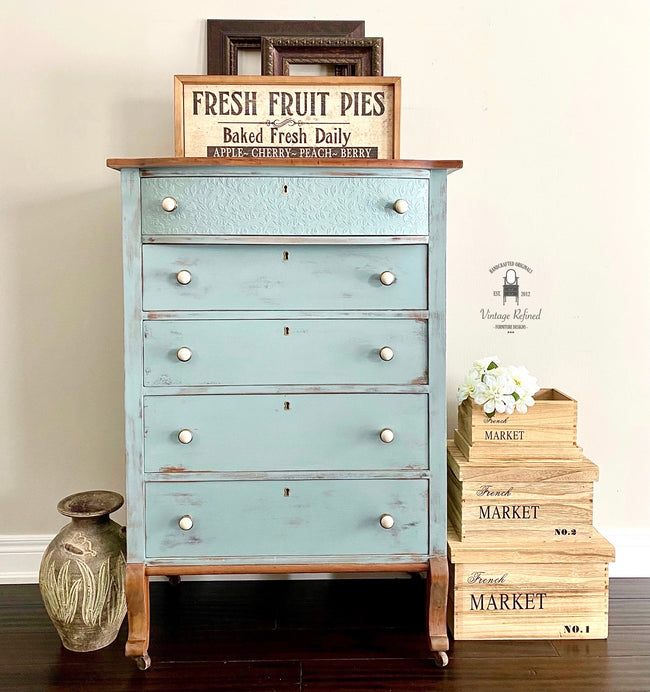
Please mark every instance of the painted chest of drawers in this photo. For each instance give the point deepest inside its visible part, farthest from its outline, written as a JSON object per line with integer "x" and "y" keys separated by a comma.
{"x": 285, "y": 372}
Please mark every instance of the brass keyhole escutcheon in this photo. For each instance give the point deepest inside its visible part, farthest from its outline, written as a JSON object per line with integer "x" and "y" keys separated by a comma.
{"x": 287, "y": 492}
{"x": 285, "y": 189}
{"x": 286, "y": 331}
{"x": 287, "y": 405}
{"x": 285, "y": 256}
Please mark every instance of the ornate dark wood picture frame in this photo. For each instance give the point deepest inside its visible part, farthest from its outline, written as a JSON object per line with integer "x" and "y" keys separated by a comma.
{"x": 227, "y": 36}
{"x": 351, "y": 57}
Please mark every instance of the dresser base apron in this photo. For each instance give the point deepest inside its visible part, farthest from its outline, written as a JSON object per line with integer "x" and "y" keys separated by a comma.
{"x": 137, "y": 594}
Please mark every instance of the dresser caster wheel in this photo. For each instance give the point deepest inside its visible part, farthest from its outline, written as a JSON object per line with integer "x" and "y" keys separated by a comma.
{"x": 174, "y": 579}
{"x": 143, "y": 662}
{"x": 440, "y": 658}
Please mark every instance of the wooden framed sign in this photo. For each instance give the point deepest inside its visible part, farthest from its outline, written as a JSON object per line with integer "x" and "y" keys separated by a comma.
{"x": 287, "y": 117}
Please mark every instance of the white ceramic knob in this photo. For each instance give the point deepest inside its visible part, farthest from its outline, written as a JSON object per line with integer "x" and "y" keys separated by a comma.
{"x": 186, "y": 522}
{"x": 401, "y": 206}
{"x": 169, "y": 204}
{"x": 387, "y": 435}
{"x": 185, "y": 436}
{"x": 183, "y": 277}
{"x": 386, "y": 521}
{"x": 387, "y": 278}
{"x": 184, "y": 354}
{"x": 386, "y": 353}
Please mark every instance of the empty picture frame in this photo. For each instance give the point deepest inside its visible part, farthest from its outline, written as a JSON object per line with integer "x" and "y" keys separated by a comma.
{"x": 226, "y": 37}
{"x": 351, "y": 57}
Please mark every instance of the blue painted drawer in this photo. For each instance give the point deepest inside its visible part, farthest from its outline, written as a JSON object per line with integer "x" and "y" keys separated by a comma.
{"x": 267, "y": 277}
{"x": 285, "y": 352}
{"x": 309, "y": 206}
{"x": 278, "y": 518}
{"x": 287, "y": 432}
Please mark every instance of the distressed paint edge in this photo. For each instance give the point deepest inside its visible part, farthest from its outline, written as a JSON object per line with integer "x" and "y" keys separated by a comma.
{"x": 216, "y": 239}
{"x": 133, "y": 362}
{"x": 283, "y": 315}
{"x": 421, "y": 473}
{"x": 164, "y": 390}
{"x": 307, "y": 170}
{"x": 437, "y": 361}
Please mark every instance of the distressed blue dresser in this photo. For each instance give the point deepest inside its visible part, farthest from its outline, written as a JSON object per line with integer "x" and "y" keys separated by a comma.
{"x": 285, "y": 372}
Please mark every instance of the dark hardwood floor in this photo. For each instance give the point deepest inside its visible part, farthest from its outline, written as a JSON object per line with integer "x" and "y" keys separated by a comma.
{"x": 316, "y": 636}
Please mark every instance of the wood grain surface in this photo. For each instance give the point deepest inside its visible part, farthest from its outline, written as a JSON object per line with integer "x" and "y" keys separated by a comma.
{"x": 187, "y": 161}
{"x": 526, "y": 511}
{"x": 553, "y": 418}
{"x": 308, "y": 635}
{"x": 491, "y": 471}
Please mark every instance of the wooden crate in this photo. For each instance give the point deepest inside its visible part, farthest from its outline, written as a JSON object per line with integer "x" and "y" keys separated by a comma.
{"x": 539, "y": 501}
{"x": 504, "y": 591}
{"x": 546, "y": 431}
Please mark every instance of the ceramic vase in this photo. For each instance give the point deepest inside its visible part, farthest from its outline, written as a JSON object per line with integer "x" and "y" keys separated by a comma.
{"x": 82, "y": 572}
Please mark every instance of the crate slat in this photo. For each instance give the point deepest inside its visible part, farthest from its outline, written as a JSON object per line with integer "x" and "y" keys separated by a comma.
{"x": 500, "y": 471}
{"x": 495, "y": 577}
{"x": 503, "y": 549}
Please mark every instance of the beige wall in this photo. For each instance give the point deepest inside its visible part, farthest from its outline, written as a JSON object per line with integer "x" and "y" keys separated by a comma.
{"x": 545, "y": 100}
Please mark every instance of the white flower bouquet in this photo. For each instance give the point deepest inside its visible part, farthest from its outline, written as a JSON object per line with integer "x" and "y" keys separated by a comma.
{"x": 499, "y": 389}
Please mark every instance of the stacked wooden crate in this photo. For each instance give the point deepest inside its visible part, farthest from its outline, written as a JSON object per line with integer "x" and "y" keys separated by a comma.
{"x": 525, "y": 559}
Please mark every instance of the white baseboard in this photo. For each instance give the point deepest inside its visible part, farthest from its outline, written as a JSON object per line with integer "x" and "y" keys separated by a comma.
{"x": 632, "y": 552}
{"x": 20, "y": 556}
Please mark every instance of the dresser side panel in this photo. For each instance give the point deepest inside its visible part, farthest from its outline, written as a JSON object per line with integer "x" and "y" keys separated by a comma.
{"x": 133, "y": 372}
{"x": 437, "y": 363}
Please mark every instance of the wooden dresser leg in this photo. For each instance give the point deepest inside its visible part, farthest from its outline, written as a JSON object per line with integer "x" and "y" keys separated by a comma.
{"x": 437, "y": 586}
{"x": 137, "y": 603}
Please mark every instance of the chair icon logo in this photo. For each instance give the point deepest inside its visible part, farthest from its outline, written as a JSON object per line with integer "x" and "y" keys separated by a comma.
{"x": 510, "y": 286}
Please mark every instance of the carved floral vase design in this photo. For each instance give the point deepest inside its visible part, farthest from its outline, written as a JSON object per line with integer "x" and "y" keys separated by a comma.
{"x": 82, "y": 572}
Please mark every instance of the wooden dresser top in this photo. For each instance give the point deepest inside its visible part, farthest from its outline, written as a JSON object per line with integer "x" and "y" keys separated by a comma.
{"x": 323, "y": 163}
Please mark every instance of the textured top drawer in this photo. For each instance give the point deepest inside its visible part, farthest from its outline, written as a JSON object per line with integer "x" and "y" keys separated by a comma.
{"x": 285, "y": 206}
{"x": 273, "y": 277}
